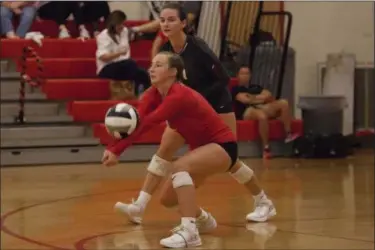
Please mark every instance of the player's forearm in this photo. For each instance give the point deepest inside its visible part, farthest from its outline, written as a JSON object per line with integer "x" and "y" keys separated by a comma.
{"x": 262, "y": 98}
{"x": 120, "y": 146}
{"x": 152, "y": 26}
{"x": 156, "y": 45}
{"x": 109, "y": 56}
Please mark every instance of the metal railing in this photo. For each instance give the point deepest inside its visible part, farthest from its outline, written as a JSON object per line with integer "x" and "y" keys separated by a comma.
{"x": 243, "y": 27}
{"x": 282, "y": 45}
{"x": 28, "y": 52}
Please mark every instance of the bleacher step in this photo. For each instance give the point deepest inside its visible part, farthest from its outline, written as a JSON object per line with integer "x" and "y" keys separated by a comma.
{"x": 7, "y": 65}
{"x": 53, "y": 142}
{"x": 48, "y": 119}
{"x": 16, "y": 96}
{"x": 31, "y": 109}
{"x": 43, "y": 132}
{"x": 12, "y": 86}
{"x": 10, "y": 75}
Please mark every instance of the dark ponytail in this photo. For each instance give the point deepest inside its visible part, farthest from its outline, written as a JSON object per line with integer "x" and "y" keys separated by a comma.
{"x": 115, "y": 18}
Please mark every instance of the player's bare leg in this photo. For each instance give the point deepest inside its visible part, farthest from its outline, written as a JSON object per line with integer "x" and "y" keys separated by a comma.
{"x": 264, "y": 208}
{"x": 203, "y": 161}
{"x": 157, "y": 170}
{"x": 204, "y": 220}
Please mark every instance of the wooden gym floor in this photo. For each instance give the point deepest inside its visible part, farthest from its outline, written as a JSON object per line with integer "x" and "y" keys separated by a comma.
{"x": 322, "y": 204}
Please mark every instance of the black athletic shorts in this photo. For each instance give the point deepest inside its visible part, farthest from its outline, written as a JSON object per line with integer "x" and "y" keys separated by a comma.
{"x": 232, "y": 149}
{"x": 222, "y": 103}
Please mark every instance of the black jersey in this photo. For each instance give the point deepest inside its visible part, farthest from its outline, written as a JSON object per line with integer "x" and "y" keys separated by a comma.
{"x": 203, "y": 70}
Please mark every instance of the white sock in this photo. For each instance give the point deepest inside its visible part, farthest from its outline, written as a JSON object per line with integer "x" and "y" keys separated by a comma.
{"x": 203, "y": 215}
{"x": 188, "y": 222}
{"x": 143, "y": 199}
{"x": 260, "y": 196}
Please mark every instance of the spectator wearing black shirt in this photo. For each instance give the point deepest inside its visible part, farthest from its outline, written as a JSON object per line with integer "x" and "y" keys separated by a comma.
{"x": 253, "y": 102}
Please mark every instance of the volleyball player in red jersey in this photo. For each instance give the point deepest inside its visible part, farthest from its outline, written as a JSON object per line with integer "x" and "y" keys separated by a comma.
{"x": 213, "y": 145}
{"x": 205, "y": 74}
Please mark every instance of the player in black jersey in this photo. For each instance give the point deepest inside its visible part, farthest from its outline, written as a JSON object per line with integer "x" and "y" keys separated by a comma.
{"x": 205, "y": 74}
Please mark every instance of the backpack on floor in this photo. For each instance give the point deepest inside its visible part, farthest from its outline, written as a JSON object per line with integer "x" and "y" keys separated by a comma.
{"x": 322, "y": 146}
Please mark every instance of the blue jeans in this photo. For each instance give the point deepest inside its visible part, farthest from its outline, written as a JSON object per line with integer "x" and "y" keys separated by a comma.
{"x": 26, "y": 19}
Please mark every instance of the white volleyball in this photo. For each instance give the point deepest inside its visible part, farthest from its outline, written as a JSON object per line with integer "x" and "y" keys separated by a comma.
{"x": 121, "y": 120}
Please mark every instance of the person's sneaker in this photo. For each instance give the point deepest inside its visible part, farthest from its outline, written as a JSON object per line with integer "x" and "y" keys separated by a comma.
{"x": 264, "y": 210}
{"x": 266, "y": 153}
{"x": 133, "y": 211}
{"x": 182, "y": 238}
{"x": 64, "y": 33}
{"x": 84, "y": 34}
{"x": 204, "y": 224}
{"x": 291, "y": 137}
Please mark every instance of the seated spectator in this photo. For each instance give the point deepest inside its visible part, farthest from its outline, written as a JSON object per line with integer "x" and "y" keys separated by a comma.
{"x": 26, "y": 12}
{"x": 253, "y": 102}
{"x": 114, "y": 62}
{"x": 83, "y": 13}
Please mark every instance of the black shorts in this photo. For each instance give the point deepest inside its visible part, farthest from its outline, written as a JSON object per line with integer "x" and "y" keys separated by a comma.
{"x": 222, "y": 103}
{"x": 126, "y": 70}
{"x": 232, "y": 149}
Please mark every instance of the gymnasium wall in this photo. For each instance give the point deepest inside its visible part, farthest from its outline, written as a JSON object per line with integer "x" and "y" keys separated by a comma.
{"x": 320, "y": 28}
{"x": 136, "y": 10}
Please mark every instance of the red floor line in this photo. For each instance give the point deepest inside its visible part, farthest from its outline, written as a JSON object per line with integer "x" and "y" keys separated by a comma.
{"x": 8, "y": 231}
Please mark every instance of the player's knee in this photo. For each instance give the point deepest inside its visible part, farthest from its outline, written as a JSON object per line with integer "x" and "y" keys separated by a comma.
{"x": 283, "y": 103}
{"x": 165, "y": 152}
{"x": 159, "y": 166}
{"x": 243, "y": 174}
{"x": 181, "y": 179}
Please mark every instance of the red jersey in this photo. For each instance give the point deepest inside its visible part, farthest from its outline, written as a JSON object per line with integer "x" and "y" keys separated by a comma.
{"x": 186, "y": 111}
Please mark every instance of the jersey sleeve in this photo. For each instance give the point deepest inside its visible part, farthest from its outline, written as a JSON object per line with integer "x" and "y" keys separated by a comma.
{"x": 170, "y": 107}
{"x": 213, "y": 65}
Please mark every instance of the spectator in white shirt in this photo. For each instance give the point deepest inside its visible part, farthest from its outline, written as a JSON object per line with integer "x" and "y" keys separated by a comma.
{"x": 113, "y": 58}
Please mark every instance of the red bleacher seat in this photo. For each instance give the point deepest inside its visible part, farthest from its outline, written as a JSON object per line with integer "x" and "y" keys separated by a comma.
{"x": 92, "y": 111}
{"x": 246, "y": 130}
{"x": 152, "y": 136}
{"x": 76, "y": 89}
{"x": 67, "y": 48}
{"x": 69, "y": 67}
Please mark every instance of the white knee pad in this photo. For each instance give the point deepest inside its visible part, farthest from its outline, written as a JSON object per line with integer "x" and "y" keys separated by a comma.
{"x": 181, "y": 179}
{"x": 243, "y": 174}
{"x": 159, "y": 166}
